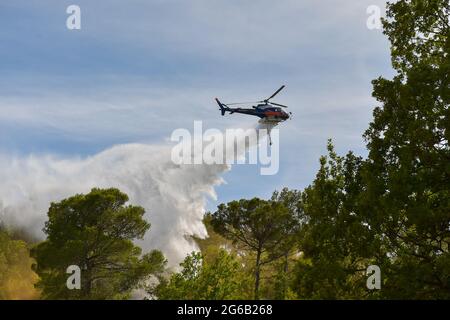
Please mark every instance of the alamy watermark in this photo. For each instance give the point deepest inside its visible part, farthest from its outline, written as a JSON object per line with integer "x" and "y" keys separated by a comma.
{"x": 374, "y": 20}
{"x": 235, "y": 146}
{"x": 73, "y": 21}
{"x": 374, "y": 277}
{"x": 73, "y": 282}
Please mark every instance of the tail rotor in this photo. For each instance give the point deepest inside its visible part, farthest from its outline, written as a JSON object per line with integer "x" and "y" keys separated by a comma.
{"x": 223, "y": 107}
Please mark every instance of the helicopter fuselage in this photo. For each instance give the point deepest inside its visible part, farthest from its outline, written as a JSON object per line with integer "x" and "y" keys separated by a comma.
{"x": 266, "y": 112}
{"x": 263, "y": 111}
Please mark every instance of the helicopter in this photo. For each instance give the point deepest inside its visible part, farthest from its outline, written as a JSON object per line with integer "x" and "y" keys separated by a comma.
{"x": 270, "y": 113}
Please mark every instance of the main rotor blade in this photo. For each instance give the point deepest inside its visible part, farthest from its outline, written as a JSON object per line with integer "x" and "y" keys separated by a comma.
{"x": 277, "y": 104}
{"x": 276, "y": 92}
{"x": 236, "y": 103}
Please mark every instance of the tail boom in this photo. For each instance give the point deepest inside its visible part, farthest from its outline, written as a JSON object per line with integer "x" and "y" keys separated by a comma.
{"x": 223, "y": 107}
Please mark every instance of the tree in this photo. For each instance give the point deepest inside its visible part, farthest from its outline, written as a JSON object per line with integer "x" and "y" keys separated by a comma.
{"x": 211, "y": 246}
{"x": 219, "y": 279}
{"x": 292, "y": 200}
{"x": 392, "y": 209}
{"x": 337, "y": 244}
{"x": 261, "y": 227}
{"x": 407, "y": 174}
{"x": 16, "y": 276}
{"x": 95, "y": 232}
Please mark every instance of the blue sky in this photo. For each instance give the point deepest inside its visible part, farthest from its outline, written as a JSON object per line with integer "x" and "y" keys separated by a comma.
{"x": 139, "y": 69}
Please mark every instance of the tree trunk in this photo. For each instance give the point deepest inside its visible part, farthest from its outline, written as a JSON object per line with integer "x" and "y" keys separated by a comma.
{"x": 286, "y": 262}
{"x": 285, "y": 270}
{"x": 87, "y": 285}
{"x": 257, "y": 273}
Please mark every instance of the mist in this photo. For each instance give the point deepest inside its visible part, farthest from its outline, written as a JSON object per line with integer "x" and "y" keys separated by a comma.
{"x": 174, "y": 196}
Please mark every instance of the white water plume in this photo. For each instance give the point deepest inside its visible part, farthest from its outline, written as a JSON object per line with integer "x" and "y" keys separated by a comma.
{"x": 174, "y": 196}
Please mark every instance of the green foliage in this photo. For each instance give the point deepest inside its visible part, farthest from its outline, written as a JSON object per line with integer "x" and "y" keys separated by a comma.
{"x": 418, "y": 31}
{"x": 211, "y": 246}
{"x": 408, "y": 171}
{"x": 335, "y": 240}
{"x": 392, "y": 209}
{"x": 263, "y": 228}
{"x": 95, "y": 232}
{"x": 16, "y": 276}
{"x": 280, "y": 271}
{"x": 220, "y": 279}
